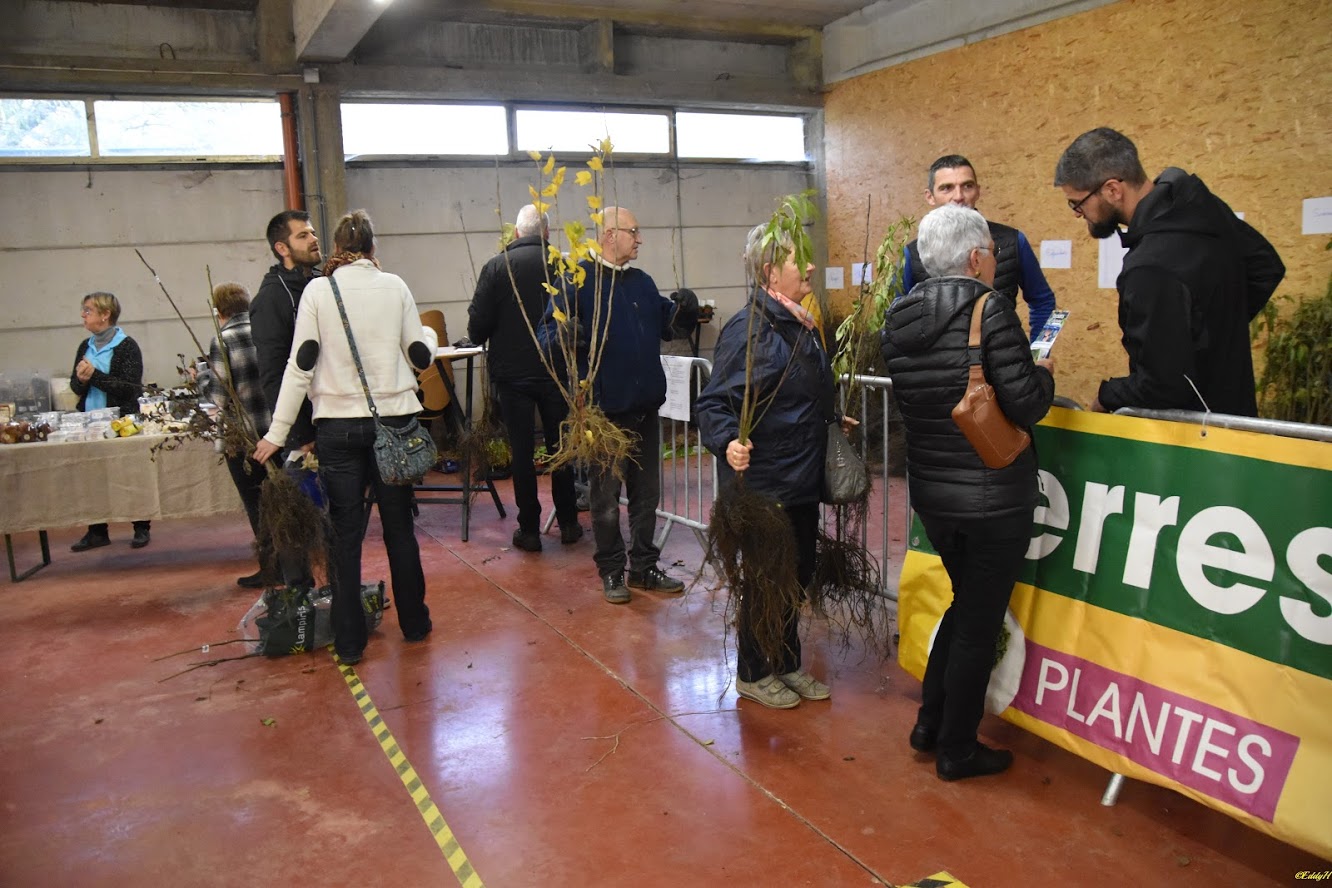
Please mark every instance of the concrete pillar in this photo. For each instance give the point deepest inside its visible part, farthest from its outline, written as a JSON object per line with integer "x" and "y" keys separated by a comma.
{"x": 274, "y": 35}
{"x": 322, "y": 165}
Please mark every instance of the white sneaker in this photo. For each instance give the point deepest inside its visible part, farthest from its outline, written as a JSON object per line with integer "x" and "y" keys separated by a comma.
{"x": 770, "y": 692}
{"x": 806, "y": 685}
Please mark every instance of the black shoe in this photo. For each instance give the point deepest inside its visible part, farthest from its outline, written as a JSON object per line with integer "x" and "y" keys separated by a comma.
{"x": 654, "y": 580}
{"x": 257, "y": 580}
{"x": 421, "y": 635}
{"x": 613, "y": 588}
{"x": 350, "y": 659}
{"x": 571, "y": 533}
{"x": 923, "y": 737}
{"x": 140, "y": 538}
{"x": 90, "y": 541}
{"x": 527, "y": 540}
{"x": 980, "y": 763}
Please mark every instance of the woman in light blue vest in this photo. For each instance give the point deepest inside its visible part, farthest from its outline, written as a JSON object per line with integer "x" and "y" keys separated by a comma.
{"x": 108, "y": 372}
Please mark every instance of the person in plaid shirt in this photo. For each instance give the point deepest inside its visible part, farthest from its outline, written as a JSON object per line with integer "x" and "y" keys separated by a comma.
{"x": 232, "y": 304}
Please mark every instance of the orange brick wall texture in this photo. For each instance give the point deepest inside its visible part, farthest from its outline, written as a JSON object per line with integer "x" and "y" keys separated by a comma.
{"x": 1237, "y": 91}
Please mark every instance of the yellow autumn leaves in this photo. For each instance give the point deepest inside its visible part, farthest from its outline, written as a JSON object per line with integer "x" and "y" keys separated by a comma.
{"x": 582, "y": 239}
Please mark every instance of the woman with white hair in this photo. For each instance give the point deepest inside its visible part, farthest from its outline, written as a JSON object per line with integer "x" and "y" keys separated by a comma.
{"x": 978, "y": 519}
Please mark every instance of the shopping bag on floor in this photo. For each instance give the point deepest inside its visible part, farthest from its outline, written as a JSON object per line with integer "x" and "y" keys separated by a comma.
{"x": 297, "y": 619}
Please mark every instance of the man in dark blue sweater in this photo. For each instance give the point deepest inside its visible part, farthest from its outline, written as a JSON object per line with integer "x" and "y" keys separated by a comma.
{"x": 630, "y": 387}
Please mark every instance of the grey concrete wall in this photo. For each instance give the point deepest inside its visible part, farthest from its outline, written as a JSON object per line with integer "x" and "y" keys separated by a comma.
{"x": 79, "y": 230}
{"x": 71, "y": 233}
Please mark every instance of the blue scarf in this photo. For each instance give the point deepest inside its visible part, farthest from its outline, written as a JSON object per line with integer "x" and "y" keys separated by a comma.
{"x": 100, "y": 357}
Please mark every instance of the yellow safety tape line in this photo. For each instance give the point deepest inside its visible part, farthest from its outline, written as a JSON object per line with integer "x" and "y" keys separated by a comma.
{"x": 444, "y": 838}
{"x": 938, "y": 880}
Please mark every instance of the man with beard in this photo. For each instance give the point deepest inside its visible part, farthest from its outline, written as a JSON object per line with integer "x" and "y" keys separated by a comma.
{"x": 292, "y": 239}
{"x": 952, "y": 180}
{"x": 1194, "y": 276}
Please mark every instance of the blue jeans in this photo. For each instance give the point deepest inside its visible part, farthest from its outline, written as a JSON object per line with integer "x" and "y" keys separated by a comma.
{"x": 643, "y": 483}
{"x": 983, "y": 557}
{"x": 347, "y": 467}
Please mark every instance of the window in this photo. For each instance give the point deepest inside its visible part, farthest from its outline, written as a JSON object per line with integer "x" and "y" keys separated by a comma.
{"x": 740, "y": 136}
{"x": 229, "y": 128}
{"x": 423, "y": 129}
{"x": 578, "y": 131}
{"x": 43, "y": 128}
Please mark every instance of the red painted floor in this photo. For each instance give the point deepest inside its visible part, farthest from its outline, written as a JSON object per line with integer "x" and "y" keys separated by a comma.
{"x": 565, "y": 741}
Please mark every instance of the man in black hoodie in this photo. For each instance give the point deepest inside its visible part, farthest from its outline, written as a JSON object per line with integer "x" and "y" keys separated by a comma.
{"x": 292, "y": 239}
{"x": 1194, "y": 276}
{"x": 511, "y": 285}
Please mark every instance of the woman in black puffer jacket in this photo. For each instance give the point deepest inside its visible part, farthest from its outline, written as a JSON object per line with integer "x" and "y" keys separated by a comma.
{"x": 978, "y": 519}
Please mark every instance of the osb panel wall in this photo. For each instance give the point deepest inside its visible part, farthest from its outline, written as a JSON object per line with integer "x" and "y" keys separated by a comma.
{"x": 1237, "y": 91}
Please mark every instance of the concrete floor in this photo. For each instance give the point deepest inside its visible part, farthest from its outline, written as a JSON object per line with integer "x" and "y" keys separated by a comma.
{"x": 563, "y": 742}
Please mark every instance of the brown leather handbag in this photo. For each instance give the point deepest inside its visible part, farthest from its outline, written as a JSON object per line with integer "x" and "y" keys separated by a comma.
{"x": 997, "y": 441}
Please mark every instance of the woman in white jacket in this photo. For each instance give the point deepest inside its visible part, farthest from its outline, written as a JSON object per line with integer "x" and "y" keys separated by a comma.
{"x": 391, "y": 342}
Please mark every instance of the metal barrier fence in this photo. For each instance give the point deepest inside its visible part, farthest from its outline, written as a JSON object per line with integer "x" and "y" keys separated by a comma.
{"x": 689, "y": 472}
{"x": 1241, "y": 423}
{"x": 871, "y": 392}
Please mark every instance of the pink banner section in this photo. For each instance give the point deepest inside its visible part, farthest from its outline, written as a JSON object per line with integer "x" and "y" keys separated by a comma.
{"x": 1226, "y": 756}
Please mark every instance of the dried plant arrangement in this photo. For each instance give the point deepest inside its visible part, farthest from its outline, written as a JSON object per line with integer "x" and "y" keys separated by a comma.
{"x": 287, "y": 515}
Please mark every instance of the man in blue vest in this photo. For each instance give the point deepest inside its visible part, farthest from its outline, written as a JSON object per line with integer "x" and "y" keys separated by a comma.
{"x": 952, "y": 179}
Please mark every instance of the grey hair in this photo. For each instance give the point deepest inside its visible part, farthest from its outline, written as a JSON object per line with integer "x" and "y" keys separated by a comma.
{"x": 947, "y": 235}
{"x": 1097, "y": 156}
{"x": 531, "y": 221}
{"x": 757, "y": 255}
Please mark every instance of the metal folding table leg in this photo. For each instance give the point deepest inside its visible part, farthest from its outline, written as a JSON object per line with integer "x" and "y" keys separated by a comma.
{"x": 14, "y": 575}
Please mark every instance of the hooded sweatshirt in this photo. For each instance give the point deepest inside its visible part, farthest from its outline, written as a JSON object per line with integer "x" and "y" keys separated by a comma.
{"x": 273, "y": 326}
{"x": 1193, "y": 278}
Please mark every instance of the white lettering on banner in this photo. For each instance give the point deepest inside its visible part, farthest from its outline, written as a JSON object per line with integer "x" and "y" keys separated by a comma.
{"x": 1254, "y": 561}
{"x": 1150, "y": 514}
{"x": 1098, "y": 503}
{"x": 1307, "y": 613}
{"x": 1302, "y": 556}
{"x": 1218, "y": 752}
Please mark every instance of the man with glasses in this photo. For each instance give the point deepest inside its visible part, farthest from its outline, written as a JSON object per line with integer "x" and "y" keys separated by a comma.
{"x": 630, "y": 387}
{"x": 952, "y": 179}
{"x": 1194, "y": 276}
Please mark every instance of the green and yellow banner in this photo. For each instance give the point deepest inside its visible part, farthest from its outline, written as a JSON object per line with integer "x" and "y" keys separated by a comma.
{"x": 1174, "y": 621}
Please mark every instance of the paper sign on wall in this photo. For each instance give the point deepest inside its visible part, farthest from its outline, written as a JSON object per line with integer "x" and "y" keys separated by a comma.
{"x": 1056, "y": 254}
{"x": 1317, "y": 216}
{"x": 1111, "y": 262}
{"x": 833, "y": 277}
{"x": 861, "y": 273}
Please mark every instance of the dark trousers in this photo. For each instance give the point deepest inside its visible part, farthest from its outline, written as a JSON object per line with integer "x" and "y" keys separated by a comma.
{"x": 642, "y": 482}
{"x": 519, "y": 402}
{"x": 248, "y": 476}
{"x": 347, "y": 467}
{"x": 983, "y": 558}
{"x": 752, "y": 665}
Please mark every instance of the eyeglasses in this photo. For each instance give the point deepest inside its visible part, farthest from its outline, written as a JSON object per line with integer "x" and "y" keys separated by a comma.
{"x": 633, "y": 232}
{"x": 89, "y": 310}
{"x": 993, "y": 251}
{"x": 1076, "y": 205}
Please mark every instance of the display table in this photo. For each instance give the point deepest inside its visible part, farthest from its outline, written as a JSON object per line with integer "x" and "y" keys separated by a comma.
{"x": 469, "y": 486}
{"x": 116, "y": 479}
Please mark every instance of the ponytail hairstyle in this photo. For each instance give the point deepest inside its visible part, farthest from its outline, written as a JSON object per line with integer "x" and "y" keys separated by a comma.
{"x": 353, "y": 239}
